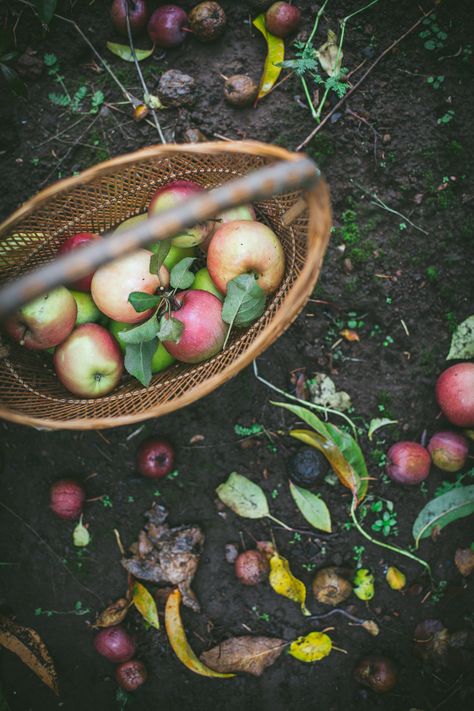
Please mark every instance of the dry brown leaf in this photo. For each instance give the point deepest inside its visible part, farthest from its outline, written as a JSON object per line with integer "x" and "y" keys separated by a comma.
{"x": 30, "y": 648}
{"x": 464, "y": 560}
{"x": 114, "y": 614}
{"x": 244, "y": 654}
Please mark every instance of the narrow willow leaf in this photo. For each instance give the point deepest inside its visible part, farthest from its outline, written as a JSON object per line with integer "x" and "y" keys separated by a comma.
{"x": 138, "y": 357}
{"x": 312, "y": 507}
{"x": 145, "y": 604}
{"x": 284, "y": 582}
{"x": 141, "y": 301}
{"x": 377, "y": 423}
{"x": 178, "y": 640}
{"x": 311, "y": 648}
{"x": 146, "y": 331}
{"x": 124, "y": 52}
{"x": 180, "y": 276}
{"x": 462, "y": 342}
{"x": 442, "y": 510}
{"x": 243, "y": 496}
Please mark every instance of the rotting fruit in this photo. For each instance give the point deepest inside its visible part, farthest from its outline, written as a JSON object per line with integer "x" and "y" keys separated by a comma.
{"x": 330, "y": 587}
{"x": 167, "y": 26}
{"x": 408, "y": 463}
{"x": 138, "y": 15}
{"x": 379, "y": 673}
{"x": 448, "y": 451}
{"x": 207, "y": 21}
{"x": 155, "y": 458}
{"x": 240, "y": 90}
{"x": 252, "y": 567}
{"x": 131, "y": 675}
{"x": 307, "y": 467}
{"x": 115, "y": 644}
{"x": 66, "y": 499}
{"x": 281, "y": 19}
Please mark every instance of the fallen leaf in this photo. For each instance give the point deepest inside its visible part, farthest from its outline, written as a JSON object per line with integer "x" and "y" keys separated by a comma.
{"x": 462, "y": 342}
{"x": 329, "y": 56}
{"x": 275, "y": 55}
{"x": 312, "y": 508}
{"x": 376, "y": 423}
{"x": 284, "y": 582}
{"x": 442, "y": 510}
{"x": 431, "y": 640}
{"x": 464, "y": 560}
{"x": 243, "y": 496}
{"x": 322, "y": 391}
{"x": 178, "y": 640}
{"x": 311, "y": 648}
{"x": 395, "y": 578}
{"x": 244, "y": 654}
{"x": 364, "y": 584}
{"x": 30, "y": 648}
{"x": 124, "y": 52}
{"x": 114, "y": 614}
{"x": 371, "y": 627}
{"x": 298, "y": 380}
{"x": 145, "y": 604}
{"x": 349, "y": 334}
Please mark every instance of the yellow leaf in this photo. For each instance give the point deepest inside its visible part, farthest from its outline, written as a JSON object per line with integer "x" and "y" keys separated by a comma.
{"x": 275, "y": 55}
{"x": 179, "y": 642}
{"x": 395, "y": 578}
{"x": 284, "y": 582}
{"x": 311, "y": 648}
{"x": 364, "y": 584}
{"x": 349, "y": 334}
{"x": 145, "y": 604}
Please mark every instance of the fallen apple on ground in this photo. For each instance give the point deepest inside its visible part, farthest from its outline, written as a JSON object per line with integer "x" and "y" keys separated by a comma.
{"x": 170, "y": 196}
{"x": 45, "y": 321}
{"x": 89, "y": 363}
{"x": 81, "y": 239}
{"x": 455, "y": 394}
{"x": 244, "y": 247}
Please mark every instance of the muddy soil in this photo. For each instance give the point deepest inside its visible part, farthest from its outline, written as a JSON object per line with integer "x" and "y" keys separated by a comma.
{"x": 402, "y": 279}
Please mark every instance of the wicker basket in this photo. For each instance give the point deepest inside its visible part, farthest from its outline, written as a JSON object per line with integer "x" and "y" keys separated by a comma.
{"x": 101, "y": 198}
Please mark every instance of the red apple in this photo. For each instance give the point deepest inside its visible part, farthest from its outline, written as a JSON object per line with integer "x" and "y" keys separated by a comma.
{"x": 89, "y": 363}
{"x": 137, "y": 12}
{"x": 45, "y": 321}
{"x": 75, "y": 242}
{"x": 173, "y": 194}
{"x": 166, "y": 26}
{"x": 66, "y": 499}
{"x": 243, "y": 212}
{"x": 455, "y": 394}
{"x": 244, "y": 246}
{"x": 408, "y": 463}
{"x": 115, "y": 644}
{"x": 448, "y": 451}
{"x": 131, "y": 675}
{"x": 155, "y": 458}
{"x": 204, "y": 330}
{"x": 113, "y": 283}
{"x": 281, "y": 19}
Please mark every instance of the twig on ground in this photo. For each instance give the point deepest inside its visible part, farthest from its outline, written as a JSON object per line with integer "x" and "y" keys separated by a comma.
{"x": 337, "y": 106}
{"x": 379, "y": 203}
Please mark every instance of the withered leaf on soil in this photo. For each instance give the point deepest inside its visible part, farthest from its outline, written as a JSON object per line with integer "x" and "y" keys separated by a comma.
{"x": 166, "y": 555}
{"x": 329, "y": 55}
{"x": 284, "y": 582}
{"x": 322, "y": 391}
{"x": 431, "y": 641}
{"x": 30, "y": 648}
{"x": 145, "y": 604}
{"x": 464, "y": 560}
{"x": 114, "y": 614}
{"x": 244, "y": 654}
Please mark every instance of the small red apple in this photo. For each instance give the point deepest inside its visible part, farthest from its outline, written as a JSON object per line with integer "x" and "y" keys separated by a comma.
{"x": 138, "y": 15}
{"x": 204, "y": 330}
{"x": 115, "y": 644}
{"x": 173, "y": 194}
{"x": 281, "y": 19}
{"x": 67, "y": 499}
{"x": 455, "y": 394}
{"x": 89, "y": 363}
{"x": 243, "y": 246}
{"x": 166, "y": 26}
{"x": 448, "y": 451}
{"x": 131, "y": 675}
{"x": 45, "y": 321}
{"x": 75, "y": 242}
{"x": 408, "y": 463}
{"x": 155, "y": 458}
{"x": 114, "y": 282}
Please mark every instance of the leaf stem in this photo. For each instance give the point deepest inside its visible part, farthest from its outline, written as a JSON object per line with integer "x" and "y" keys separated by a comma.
{"x": 315, "y": 26}
{"x": 395, "y": 549}
{"x": 308, "y": 97}
{"x": 280, "y": 523}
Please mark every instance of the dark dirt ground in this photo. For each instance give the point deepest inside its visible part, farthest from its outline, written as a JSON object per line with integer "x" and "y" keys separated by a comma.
{"x": 402, "y": 153}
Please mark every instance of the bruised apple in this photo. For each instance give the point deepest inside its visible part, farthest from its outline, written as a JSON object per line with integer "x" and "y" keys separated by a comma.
{"x": 45, "y": 321}
{"x": 242, "y": 247}
{"x": 76, "y": 242}
{"x": 204, "y": 330}
{"x": 455, "y": 394}
{"x": 89, "y": 363}
{"x": 173, "y": 194}
{"x": 114, "y": 282}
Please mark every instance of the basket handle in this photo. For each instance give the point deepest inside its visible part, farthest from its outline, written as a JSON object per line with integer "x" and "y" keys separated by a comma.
{"x": 281, "y": 177}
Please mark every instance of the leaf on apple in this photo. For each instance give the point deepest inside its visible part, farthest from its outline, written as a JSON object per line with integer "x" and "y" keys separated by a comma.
{"x": 141, "y": 301}
{"x": 146, "y": 331}
{"x": 244, "y": 303}
{"x": 160, "y": 252}
{"x": 170, "y": 329}
{"x": 138, "y": 357}
{"x": 180, "y": 276}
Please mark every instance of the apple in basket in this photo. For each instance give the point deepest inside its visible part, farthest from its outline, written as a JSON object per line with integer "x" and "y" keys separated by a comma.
{"x": 242, "y": 247}
{"x": 113, "y": 282}
{"x": 243, "y": 212}
{"x": 76, "y": 242}
{"x": 45, "y": 321}
{"x": 204, "y": 330}
{"x": 173, "y": 194}
{"x": 89, "y": 363}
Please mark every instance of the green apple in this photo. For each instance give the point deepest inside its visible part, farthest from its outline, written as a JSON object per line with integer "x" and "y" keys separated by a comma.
{"x": 161, "y": 358}
{"x": 87, "y": 311}
{"x": 131, "y": 222}
{"x": 176, "y": 254}
{"x": 115, "y": 327}
{"x": 203, "y": 281}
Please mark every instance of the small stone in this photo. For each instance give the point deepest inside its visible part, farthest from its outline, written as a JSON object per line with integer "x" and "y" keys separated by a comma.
{"x": 176, "y": 88}
{"x": 231, "y": 552}
{"x": 386, "y": 138}
{"x": 347, "y": 266}
{"x": 193, "y": 135}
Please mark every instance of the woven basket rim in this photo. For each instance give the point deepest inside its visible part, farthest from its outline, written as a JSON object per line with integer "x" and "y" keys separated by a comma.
{"x": 291, "y": 304}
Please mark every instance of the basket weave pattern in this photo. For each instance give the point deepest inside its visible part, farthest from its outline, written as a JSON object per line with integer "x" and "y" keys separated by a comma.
{"x": 99, "y": 200}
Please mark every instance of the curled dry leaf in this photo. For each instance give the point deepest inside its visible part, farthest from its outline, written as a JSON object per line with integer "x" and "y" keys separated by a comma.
{"x": 431, "y": 641}
{"x": 464, "y": 560}
{"x": 330, "y": 58}
{"x": 376, "y": 423}
{"x": 311, "y": 648}
{"x": 284, "y": 582}
{"x": 244, "y": 654}
{"x": 178, "y": 640}
{"x": 30, "y": 648}
{"x": 145, "y": 604}
{"x": 322, "y": 391}
{"x": 371, "y": 627}
{"x": 114, "y": 614}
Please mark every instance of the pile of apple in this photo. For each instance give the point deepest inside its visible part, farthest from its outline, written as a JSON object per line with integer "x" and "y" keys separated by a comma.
{"x": 148, "y": 309}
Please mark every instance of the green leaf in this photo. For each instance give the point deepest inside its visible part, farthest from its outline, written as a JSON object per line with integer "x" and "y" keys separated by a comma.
{"x": 142, "y": 333}
{"x": 307, "y": 416}
{"x": 50, "y": 59}
{"x": 313, "y": 509}
{"x": 97, "y": 99}
{"x": 244, "y": 302}
{"x": 59, "y": 99}
{"x": 364, "y": 584}
{"x": 138, "y": 357}
{"x": 442, "y": 510}
{"x": 170, "y": 329}
{"x": 124, "y": 52}
{"x": 141, "y": 301}
{"x": 180, "y": 276}
{"x": 377, "y": 423}
{"x": 46, "y": 9}
{"x": 462, "y": 342}
{"x": 352, "y": 453}
{"x": 145, "y": 604}
{"x": 160, "y": 252}
{"x": 243, "y": 496}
